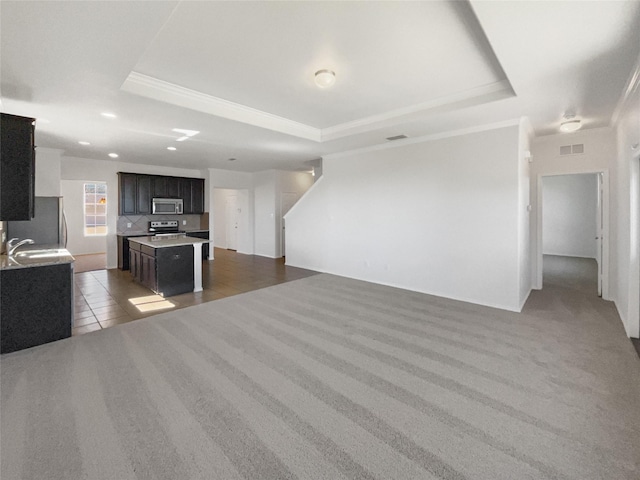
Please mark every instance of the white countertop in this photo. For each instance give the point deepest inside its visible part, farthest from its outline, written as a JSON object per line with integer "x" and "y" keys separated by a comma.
{"x": 169, "y": 241}
{"x": 36, "y": 256}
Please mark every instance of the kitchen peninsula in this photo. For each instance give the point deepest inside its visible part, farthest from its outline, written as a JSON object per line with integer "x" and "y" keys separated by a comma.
{"x": 168, "y": 265}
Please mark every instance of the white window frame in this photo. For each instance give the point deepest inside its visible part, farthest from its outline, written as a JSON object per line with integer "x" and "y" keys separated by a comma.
{"x": 96, "y": 202}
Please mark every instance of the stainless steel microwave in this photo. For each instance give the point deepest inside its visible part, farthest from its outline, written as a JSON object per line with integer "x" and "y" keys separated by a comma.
{"x": 167, "y": 206}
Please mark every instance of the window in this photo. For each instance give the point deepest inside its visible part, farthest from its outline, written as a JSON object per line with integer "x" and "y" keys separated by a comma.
{"x": 95, "y": 209}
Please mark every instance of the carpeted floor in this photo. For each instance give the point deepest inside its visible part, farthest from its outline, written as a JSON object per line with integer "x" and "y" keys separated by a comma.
{"x": 331, "y": 378}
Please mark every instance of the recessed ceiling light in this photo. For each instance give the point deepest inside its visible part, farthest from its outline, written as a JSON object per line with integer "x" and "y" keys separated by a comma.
{"x": 325, "y": 78}
{"x": 108, "y": 115}
{"x": 113, "y": 155}
{"x": 188, "y": 133}
{"x": 83, "y": 143}
{"x": 171, "y": 148}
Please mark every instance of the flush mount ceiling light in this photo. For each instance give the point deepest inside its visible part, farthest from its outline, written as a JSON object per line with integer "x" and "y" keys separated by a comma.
{"x": 325, "y": 78}
{"x": 82, "y": 142}
{"x": 570, "y": 123}
{"x": 113, "y": 155}
{"x": 171, "y": 148}
{"x": 108, "y": 115}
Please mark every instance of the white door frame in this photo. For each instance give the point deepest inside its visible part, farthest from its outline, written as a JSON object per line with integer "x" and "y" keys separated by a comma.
{"x": 605, "y": 226}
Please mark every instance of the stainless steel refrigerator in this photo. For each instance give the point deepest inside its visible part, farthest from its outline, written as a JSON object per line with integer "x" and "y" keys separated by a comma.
{"x": 47, "y": 227}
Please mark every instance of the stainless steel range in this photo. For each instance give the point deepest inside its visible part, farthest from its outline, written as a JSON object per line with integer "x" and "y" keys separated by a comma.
{"x": 164, "y": 228}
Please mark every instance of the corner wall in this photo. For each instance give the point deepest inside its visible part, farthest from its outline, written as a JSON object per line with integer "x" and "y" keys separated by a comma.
{"x": 626, "y": 211}
{"x": 437, "y": 216}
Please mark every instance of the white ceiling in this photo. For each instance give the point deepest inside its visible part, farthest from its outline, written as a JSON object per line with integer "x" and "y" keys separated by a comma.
{"x": 241, "y": 73}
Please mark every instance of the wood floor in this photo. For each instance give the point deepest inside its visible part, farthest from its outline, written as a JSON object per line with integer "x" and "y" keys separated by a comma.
{"x": 104, "y": 298}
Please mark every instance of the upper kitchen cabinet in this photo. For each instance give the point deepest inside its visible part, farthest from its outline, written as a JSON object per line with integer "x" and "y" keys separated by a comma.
{"x": 17, "y": 168}
{"x": 127, "y": 200}
{"x": 192, "y": 193}
{"x": 144, "y": 194}
{"x": 138, "y": 190}
{"x": 159, "y": 186}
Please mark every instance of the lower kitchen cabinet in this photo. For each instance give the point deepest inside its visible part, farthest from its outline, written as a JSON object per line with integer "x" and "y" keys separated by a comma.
{"x": 36, "y": 305}
{"x": 166, "y": 271}
{"x": 205, "y": 246}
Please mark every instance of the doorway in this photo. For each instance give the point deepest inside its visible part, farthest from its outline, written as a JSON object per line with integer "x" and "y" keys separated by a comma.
{"x": 232, "y": 222}
{"x": 572, "y": 241}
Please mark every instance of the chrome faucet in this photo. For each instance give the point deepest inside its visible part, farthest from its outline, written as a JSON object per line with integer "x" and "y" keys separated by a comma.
{"x": 12, "y": 248}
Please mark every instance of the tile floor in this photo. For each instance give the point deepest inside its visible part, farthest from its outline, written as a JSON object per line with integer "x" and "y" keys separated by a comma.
{"x": 104, "y": 298}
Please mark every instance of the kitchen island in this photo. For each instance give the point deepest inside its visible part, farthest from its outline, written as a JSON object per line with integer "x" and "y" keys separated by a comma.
{"x": 168, "y": 265}
{"x": 36, "y": 299}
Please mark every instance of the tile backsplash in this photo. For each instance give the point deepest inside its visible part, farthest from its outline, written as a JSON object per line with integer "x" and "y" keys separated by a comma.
{"x": 140, "y": 223}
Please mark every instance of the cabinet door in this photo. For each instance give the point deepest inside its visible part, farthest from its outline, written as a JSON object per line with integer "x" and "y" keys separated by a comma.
{"x": 159, "y": 186}
{"x": 17, "y": 169}
{"x": 197, "y": 195}
{"x": 127, "y": 198}
{"x": 185, "y": 194}
{"x": 134, "y": 264}
{"x": 148, "y": 271}
{"x": 144, "y": 194}
{"x": 173, "y": 187}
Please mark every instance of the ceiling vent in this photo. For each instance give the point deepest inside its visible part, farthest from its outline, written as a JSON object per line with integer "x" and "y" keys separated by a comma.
{"x": 576, "y": 149}
{"x": 397, "y": 137}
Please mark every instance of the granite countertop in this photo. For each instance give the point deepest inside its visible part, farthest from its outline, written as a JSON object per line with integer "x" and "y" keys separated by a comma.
{"x": 169, "y": 241}
{"x": 36, "y": 256}
{"x": 142, "y": 233}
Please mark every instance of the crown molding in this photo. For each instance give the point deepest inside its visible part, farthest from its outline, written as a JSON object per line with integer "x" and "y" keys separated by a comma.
{"x": 426, "y": 138}
{"x": 151, "y": 87}
{"x": 633, "y": 83}
{"x": 466, "y": 98}
{"x": 156, "y": 89}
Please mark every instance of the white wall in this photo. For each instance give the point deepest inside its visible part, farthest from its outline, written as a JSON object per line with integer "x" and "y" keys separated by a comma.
{"x": 438, "y": 217}
{"x": 82, "y": 169}
{"x": 570, "y": 206}
{"x": 626, "y": 214}
{"x": 265, "y": 210}
{"x": 296, "y": 183}
{"x": 526, "y": 135}
{"x": 599, "y": 154}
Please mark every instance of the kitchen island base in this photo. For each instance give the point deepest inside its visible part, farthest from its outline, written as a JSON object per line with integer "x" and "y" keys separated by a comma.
{"x": 168, "y": 266}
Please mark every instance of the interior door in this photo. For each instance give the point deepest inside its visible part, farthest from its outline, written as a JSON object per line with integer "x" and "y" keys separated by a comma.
{"x": 287, "y": 200}
{"x": 600, "y": 231}
{"x": 232, "y": 222}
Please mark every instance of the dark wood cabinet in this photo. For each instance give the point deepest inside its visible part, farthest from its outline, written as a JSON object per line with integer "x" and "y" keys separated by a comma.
{"x": 138, "y": 190}
{"x": 205, "y": 246}
{"x": 159, "y": 186}
{"x": 197, "y": 195}
{"x": 173, "y": 187}
{"x": 148, "y": 270}
{"x": 185, "y": 194}
{"x": 128, "y": 194}
{"x": 144, "y": 194}
{"x": 17, "y": 168}
{"x": 36, "y": 304}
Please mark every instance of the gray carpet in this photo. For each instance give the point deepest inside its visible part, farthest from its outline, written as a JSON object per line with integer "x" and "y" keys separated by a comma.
{"x": 330, "y": 378}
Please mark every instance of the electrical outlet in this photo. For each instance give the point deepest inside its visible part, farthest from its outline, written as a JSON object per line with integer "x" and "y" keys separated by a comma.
{"x": 184, "y": 222}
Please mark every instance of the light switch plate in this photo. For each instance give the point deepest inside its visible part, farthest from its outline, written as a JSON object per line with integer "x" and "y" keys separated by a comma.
{"x": 128, "y": 225}
{"x": 184, "y": 222}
